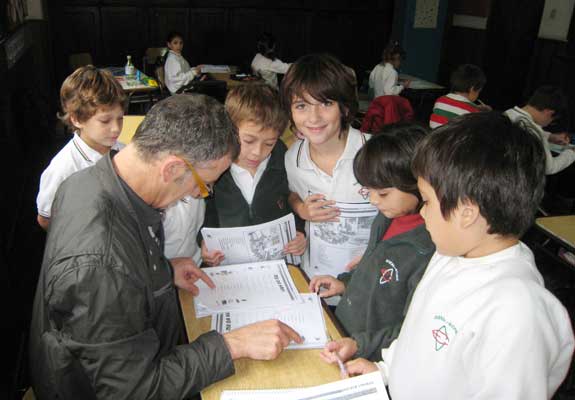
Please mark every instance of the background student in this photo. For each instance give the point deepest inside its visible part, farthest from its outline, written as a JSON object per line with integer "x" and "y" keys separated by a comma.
{"x": 177, "y": 71}
{"x": 376, "y": 293}
{"x": 320, "y": 95}
{"x": 481, "y": 324}
{"x": 383, "y": 79}
{"x": 265, "y": 62}
{"x": 92, "y": 104}
{"x": 546, "y": 103}
{"x": 467, "y": 82}
{"x": 255, "y": 188}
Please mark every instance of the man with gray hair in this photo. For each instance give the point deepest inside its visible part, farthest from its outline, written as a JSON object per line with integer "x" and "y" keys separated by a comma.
{"x": 106, "y": 320}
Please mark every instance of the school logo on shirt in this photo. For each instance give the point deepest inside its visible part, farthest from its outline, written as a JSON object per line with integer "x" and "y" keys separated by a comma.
{"x": 363, "y": 192}
{"x": 388, "y": 273}
{"x": 444, "y": 334}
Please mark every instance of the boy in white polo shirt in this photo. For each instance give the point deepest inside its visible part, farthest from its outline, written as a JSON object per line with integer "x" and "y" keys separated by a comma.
{"x": 320, "y": 96}
{"x": 481, "y": 324}
{"x": 93, "y": 106}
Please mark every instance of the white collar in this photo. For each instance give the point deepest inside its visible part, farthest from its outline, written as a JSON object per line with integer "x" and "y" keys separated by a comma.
{"x": 85, "y": 151}
{"x": 355, "y": 139}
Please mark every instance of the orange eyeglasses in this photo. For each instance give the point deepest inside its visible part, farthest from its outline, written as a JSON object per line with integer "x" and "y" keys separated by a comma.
{"x": 205, "y": 189}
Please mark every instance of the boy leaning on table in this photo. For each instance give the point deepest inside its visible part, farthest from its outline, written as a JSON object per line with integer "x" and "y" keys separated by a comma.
{"x": 481, "y": 324}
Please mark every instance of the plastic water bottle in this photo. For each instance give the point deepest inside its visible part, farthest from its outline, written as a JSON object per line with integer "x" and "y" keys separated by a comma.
{"x": 129, "y": 70}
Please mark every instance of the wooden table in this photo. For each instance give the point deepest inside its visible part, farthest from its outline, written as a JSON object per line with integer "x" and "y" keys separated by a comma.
{"x": 560, "y": 229}
{"x": 293, "y": 368}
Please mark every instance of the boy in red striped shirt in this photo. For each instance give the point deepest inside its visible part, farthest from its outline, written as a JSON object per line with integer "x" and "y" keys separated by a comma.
{"x": 467, "y": 81}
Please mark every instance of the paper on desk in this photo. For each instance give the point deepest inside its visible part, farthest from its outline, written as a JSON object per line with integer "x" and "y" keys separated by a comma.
{"x": 364, "y": 387}
{"x": 216, "y": 69}
{"x": 334, "y": 244}
{"x": 253, "y": 243}
{"x": 305, "y": 318}
{"x": 246, "y": 286}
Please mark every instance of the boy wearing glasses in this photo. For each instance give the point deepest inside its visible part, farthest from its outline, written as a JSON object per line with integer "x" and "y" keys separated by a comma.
{"x": 255, "y": 188}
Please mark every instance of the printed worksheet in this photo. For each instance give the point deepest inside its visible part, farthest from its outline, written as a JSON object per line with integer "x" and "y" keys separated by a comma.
{"x": 305, "y": 318}
{"x": 246, "y": 286}
{"x": 334, "y": 244}
{"x": 253, "y": 243}
{"x": 363, "y": 387}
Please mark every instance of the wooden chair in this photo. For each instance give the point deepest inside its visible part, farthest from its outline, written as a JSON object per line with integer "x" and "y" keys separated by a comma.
{"x": 151, "y": 59}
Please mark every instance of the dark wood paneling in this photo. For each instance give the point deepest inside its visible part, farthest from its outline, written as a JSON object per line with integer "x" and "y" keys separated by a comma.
{"x": 123, "y": 32}
{"x": 209, "y": 41}
{"x": 165, "y": 20}
{"x": 222, "y": 31}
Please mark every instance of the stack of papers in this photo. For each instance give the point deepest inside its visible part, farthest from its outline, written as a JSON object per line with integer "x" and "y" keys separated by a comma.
{"x": 216, "y": 69}
{"x": 249, "y": 293}
{"x": 365, "y": 387}
{"x": 305, "y": 318}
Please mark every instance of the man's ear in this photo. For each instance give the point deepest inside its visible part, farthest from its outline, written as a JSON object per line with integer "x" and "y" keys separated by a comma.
{"x": 172, "y": 168}
{"x": 468, "y": 214}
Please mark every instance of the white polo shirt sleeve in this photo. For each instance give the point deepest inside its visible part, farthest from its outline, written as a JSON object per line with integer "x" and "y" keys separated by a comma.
{"x": 74, "y": 156}
{"x": 182, "y": 222}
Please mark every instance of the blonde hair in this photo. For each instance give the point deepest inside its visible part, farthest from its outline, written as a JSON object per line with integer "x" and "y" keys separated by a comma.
{"x": 85, "y": 91}
{"x": 256, "y": 103}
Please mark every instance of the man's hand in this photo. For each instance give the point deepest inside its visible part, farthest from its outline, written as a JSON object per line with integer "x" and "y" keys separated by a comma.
{"x": 260, "y": 341}
{"x": 186, "y": 273}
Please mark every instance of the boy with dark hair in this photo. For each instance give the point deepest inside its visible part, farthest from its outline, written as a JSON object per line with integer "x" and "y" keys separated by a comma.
{"x": 481, "y": 324}
{"x": 546, "y": 103}
{"x": 375, "y": 295}
{"x": 467, "y": 81}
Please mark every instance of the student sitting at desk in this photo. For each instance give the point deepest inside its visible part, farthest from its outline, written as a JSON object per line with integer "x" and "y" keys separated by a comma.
{"x": 481, "y": 324}
{"x": 255, "y": 188}
{"x": 546, "y": 103}
{"x": 383, "y": 79}
{"x": 265, "y": 62}
{"x": 177, "y": 70}
{"x": 467, "y": 81}
{"x": 92, "y": 103}
{"x": 376, "y": 293}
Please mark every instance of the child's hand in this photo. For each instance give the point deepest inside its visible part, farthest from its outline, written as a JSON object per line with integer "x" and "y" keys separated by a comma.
{"x": 344, "y": 348}
{"x": 297, "y": 246}
{"x": 353, "y": 263}
{"x": 406, "y": 83}
{"x": 212, "y": 258}
{"x": 561, "y": 138}
{"x": 315, "y": 208}
{"x": 333, "y": 286}
{"x": 360, "y": 366}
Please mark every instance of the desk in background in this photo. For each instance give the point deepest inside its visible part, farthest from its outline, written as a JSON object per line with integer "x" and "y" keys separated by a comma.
{"x": 293, "y": 368}
{"x": 560, "y": 229}
{"x": 422, "y": 95}
{"x": 144, "y": 91}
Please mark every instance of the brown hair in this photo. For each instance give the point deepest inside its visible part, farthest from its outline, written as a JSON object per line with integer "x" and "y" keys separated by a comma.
{"x": 391, "y": 50}
{"x": 85, "y": 91}
{"x": 257, "y": 103}
{"x": 324, "y": 78}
